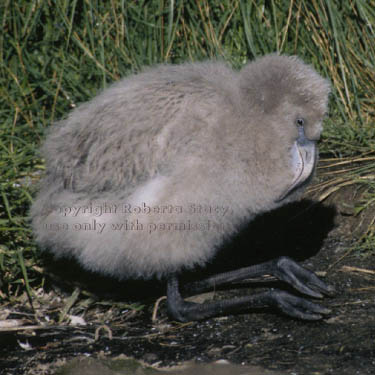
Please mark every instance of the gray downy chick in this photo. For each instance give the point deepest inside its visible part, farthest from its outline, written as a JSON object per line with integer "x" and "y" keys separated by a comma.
{"x": 149, "y": 178}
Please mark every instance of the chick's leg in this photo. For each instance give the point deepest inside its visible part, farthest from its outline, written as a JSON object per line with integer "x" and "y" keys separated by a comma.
{"x": 183, "y": 311}
{"x": 283, "y": 268}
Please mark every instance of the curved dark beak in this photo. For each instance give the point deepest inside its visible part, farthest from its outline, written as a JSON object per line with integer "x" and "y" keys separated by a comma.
{"x": 304, "y": 153}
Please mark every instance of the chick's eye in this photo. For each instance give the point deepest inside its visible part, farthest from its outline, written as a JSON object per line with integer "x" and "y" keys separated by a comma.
{"x": 300, "y": 122}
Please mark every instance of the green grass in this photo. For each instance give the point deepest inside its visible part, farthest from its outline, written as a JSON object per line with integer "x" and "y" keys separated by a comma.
{"x": 55, "y": 54}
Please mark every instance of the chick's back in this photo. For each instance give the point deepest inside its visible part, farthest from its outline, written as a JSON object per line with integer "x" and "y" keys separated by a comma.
{"x": 156, "y": 139}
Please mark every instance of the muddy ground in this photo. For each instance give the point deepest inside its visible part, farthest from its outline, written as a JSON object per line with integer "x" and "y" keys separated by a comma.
{"x": 319, "y": 235}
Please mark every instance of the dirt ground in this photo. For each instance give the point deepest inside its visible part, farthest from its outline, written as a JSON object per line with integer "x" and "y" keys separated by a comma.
{"x": 319, "y": 235}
